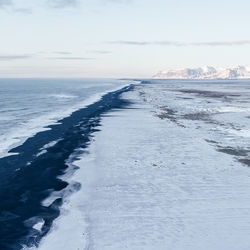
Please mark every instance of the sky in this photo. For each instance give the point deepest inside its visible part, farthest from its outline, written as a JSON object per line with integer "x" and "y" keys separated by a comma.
{"x": 120, "y": 38}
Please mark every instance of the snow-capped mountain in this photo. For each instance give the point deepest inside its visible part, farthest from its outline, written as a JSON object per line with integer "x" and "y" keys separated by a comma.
{"x": 208, "y": 72}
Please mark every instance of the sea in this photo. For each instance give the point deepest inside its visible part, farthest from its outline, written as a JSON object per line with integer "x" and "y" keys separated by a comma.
{"x": 44, "y": 124}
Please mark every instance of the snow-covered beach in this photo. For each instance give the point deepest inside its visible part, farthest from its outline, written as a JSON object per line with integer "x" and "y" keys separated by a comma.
{"x": 170, "y": 171}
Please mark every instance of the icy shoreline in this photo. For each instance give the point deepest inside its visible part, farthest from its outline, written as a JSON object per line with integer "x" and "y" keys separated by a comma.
{"x": 31, "y": 187}
{"x": 167, "y": 173}
{"x": 20, "y": 134}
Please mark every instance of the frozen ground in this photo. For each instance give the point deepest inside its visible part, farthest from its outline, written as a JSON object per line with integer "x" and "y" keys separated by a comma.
{"x": 169, "y": 173}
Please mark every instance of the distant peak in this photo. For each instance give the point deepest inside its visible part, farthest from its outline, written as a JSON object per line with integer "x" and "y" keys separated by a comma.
{"x": 207, "y": 72}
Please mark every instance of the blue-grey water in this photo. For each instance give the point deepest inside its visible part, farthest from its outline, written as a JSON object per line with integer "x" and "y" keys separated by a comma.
{"x": 27, "y": 105}
{"x": 43, "y": 122}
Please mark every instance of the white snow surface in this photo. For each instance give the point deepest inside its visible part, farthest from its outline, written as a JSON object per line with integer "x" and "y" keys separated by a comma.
{"x": 160, "y": 184}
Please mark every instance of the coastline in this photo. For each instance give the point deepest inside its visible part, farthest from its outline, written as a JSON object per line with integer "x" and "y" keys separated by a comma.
{"x": 137, "y": 194}
{"x": 33, "y": 176}
{"x": 21, "y": 134}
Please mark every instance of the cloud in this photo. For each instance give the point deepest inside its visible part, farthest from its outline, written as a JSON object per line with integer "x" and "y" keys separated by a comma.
{"x": 229, "y": 43}
{"x": 100, "y": 51}
{"x": 117, "y": 1}
{"x": 183, "y": 44}
{"x": 11, "y": 5}
{"x": 62, "y": 52}
{"x": 71, "y": 58}
{"x": 14, "y": 57}
{"x": 56, "y": 4}
{"x": 130, "y": 43}
{"x": 4, "y": 3}
{"x": 60, "y": 4}
{"x": 23, "y": 10}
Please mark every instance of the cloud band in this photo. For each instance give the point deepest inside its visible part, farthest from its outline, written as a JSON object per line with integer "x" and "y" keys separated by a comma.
{"x": 183, "y": 44}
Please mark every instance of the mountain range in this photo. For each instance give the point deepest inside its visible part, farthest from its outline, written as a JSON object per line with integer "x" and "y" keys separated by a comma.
{"x": 207, "y": 72}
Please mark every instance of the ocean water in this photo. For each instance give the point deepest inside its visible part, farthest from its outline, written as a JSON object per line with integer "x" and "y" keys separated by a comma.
{"x": 43, "y": 124}
{"x": 28, "y": 105}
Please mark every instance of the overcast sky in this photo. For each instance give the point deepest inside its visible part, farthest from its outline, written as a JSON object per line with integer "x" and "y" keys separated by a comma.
{"x": 120, "y": 38}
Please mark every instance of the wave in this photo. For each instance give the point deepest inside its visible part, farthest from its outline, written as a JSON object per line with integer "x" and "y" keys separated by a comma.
{"x": 63, "y": 96}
